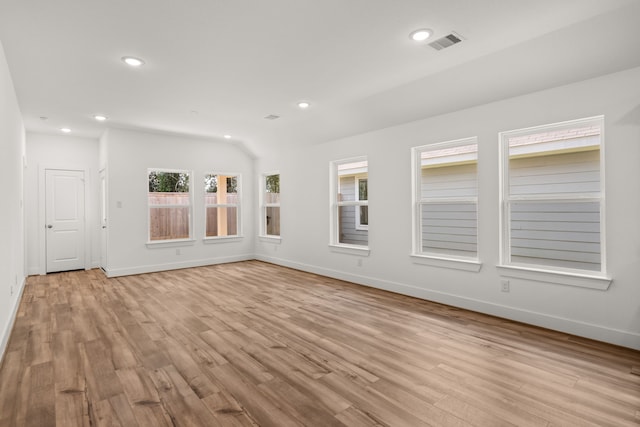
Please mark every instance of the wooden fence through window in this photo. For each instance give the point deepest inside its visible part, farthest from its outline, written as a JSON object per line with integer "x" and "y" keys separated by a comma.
{"x": 169, "y": 216}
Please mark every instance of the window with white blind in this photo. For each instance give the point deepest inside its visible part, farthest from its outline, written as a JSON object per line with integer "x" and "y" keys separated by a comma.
{"x": 350, "y": 203}
{"x": 552, "y": 191}
{"x": 222, "y": 205}
{"x": 446, "y": 200}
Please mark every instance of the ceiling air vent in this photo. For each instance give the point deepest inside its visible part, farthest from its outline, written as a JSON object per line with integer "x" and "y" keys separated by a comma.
{"x": 446, "y": 41}
{"x": 271, "y": 117}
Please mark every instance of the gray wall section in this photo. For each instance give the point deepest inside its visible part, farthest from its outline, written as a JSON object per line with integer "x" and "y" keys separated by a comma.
{"x": 450, "y": 228}
{"x": 557, "y": 234}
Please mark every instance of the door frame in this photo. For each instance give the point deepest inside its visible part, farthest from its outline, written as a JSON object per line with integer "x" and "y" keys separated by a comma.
{"x": 104, "y": 221}
{"x": 42, "y": 218}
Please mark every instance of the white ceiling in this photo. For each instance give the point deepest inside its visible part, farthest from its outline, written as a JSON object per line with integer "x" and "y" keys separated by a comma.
{"x": 216, "y": 67}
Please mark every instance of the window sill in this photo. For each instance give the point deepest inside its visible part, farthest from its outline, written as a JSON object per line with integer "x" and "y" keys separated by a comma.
{"x": 155, "y": 244}
{"x": 350, "y": 249}
{"x": 270, "y": 239}
{"x": 443, "y": 262}
{"x": 221, "y": 239}
{"x": 556, "y": 277}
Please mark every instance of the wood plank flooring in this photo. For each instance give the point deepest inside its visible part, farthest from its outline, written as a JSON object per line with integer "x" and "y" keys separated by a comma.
{"x": 251, "y": 343}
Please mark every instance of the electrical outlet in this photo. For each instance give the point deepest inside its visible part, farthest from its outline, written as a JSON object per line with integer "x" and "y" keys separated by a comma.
{"x": 178, "y": 251}
{"x": 359, "y": 262}
{"x": 11, "y": 290}
{"x": 504, "y": 285}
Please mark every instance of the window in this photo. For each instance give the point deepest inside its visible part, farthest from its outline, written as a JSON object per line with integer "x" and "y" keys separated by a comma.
{"x": 446, "y": 199}
{"x": 270, "y": 223}
{"x": 552, "y": 197}
{"x": 222, "y": 205}
{"x": 350, "y": 202}
{"x": 169, "y": 199}
{"x": 362, "y": 213}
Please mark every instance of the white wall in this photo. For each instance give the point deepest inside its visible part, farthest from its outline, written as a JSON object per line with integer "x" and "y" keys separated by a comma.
{"x": 12, "y": 261}
{"x": 63, "y": 152}
{"x": 128, "y": 155}
{"x": 612, "y": 315}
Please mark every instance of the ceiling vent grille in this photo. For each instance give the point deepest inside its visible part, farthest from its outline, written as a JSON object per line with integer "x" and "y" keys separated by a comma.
{"x": 446, "y": 41}
{"x": 271, "y": 117}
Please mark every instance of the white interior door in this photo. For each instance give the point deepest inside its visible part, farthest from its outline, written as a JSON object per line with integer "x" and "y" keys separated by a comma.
{"x": 65, "y": 220}
{"x": 103, "y": 220}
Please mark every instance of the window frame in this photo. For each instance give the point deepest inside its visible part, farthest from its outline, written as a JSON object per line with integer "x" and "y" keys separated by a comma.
{"x": 441, "y": 259}
{"x": 544, "y": 272}
{"x": 358, "y": 179}
{"x": 264, "y": 205}
{"x": 237, "y": 205}
{"x": 170, "y": 242}
{"x": 335, "y": 205}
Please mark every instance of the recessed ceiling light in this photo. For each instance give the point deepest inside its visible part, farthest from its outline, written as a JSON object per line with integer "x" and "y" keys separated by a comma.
{"x": 100, "y": 117}
{"x": 227, "y": 136}
{"x": 420, "y": 35}
{"x": 304, "y": 105}
{"x": 132, "y": 61}
{"x": 65, "y": 130}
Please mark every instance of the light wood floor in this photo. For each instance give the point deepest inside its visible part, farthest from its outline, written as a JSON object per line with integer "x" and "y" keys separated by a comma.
{"x": 255, "y": 344}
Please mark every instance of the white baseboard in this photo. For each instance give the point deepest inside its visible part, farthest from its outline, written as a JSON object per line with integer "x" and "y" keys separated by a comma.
{"x": 570, "y": 326}
{"x": 6, "y": 334}
{"x": 115, "y": 272}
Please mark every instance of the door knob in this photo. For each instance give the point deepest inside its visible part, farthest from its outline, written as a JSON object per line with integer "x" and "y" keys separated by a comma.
{"x": 49, "y": 226}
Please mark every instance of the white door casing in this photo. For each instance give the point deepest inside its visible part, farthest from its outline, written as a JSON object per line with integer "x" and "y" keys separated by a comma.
{"x": 65, "y": 220}
{"x": 103, "y": 219}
